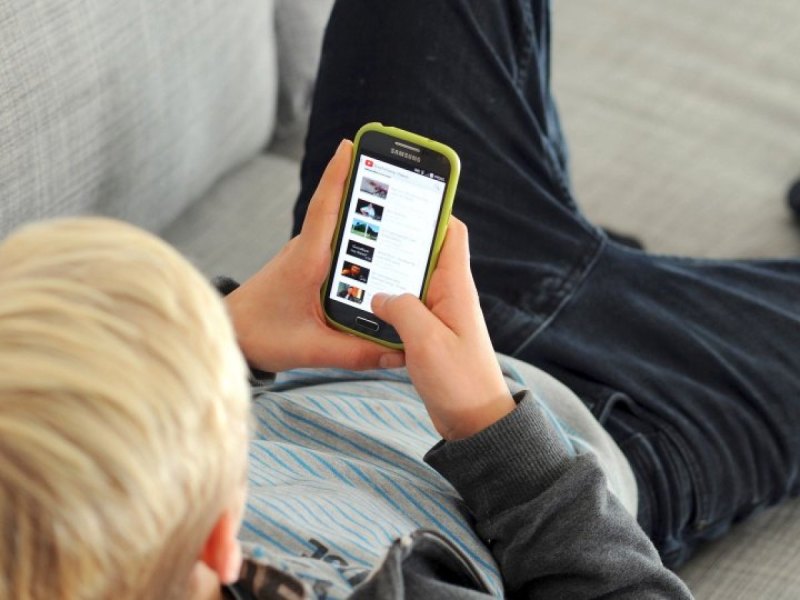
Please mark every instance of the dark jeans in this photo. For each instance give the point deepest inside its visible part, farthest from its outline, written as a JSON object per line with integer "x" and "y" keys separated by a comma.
{"x": 693, "y": 366}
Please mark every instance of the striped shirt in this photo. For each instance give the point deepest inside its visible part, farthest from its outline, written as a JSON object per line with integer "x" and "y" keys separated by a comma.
{"x": 336, "y": 472}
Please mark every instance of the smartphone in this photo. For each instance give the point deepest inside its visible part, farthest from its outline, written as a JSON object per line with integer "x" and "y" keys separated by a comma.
{"x": 391, "y": 227}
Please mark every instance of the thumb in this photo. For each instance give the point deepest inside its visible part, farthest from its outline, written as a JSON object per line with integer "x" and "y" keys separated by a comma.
{"x": 323, "y": 210}
{"x": 407, "y": 314}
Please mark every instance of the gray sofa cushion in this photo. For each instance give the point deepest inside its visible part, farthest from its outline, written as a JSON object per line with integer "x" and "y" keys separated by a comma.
{"x": 242, "y": 222}
{"x": 760, "y": 558}
{"x": 131, "y": 109}
{"x": 299, "y": 25}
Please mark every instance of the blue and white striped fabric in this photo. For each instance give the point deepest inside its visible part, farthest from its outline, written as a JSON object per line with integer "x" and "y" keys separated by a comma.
{"x": 336, "y": 474}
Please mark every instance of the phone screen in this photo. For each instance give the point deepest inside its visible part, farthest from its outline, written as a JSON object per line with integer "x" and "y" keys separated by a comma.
{"x": 399, "y": 193}
{"x": 387, "y": 233}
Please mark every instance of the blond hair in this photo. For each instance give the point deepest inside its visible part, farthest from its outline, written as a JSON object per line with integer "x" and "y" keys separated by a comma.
{"x": 123, "y": 413}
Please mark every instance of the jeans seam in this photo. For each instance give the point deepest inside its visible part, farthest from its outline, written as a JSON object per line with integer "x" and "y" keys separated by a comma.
{"x": 700, "y": 491}
{"x": 573, "y": 281}
{"x": 526, "y": 46}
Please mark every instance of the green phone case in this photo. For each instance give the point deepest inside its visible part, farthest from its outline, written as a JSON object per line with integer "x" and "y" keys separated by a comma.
{"x": 441, "y": 226}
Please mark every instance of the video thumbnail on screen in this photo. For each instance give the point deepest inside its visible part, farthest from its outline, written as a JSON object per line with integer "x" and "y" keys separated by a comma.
{"x": 350, "y": 292}
{"x": 354, "y": 271}
{"x": 374, "y": 187}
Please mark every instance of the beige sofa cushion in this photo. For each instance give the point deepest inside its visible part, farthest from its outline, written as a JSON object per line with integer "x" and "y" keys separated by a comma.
{"x": 683, "y": 119}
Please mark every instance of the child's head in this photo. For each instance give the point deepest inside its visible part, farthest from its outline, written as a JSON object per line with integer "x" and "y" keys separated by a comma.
{"x": 123, "y": 413}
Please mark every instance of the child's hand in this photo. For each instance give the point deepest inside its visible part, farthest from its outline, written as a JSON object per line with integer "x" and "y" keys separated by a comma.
{"x": 277, "y": 313}
{"x": 448, "y": 352}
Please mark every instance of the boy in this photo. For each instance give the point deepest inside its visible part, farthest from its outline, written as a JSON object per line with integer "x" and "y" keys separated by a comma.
{"x": 123, "y": 409}
{"x": 690, "y": 365}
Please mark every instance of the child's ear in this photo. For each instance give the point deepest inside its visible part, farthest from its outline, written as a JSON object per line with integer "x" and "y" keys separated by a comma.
{"x": 221, "y": 552}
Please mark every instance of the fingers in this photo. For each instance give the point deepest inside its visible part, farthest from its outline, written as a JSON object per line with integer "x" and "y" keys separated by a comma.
{"x": 458, "y": 303}
{"x": 452, "y": 281}
{"x": 344, "y": 351}
{"x": 323, "y": 209}
{"x": 455, "y": 251}
{"x": 412, "y": 320}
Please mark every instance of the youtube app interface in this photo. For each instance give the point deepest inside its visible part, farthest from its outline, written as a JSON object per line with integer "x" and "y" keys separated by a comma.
{"x": 388, "y": 232}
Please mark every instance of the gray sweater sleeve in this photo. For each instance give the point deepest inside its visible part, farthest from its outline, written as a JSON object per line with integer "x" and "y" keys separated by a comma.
{"x": 552, "y": 525}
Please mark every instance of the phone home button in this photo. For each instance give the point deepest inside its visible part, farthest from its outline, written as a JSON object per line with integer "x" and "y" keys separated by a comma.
{"x": 367, "y": 324}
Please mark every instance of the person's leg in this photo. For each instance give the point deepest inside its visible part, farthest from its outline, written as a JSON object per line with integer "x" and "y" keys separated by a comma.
{"x": 692, "y": 366}
{"x": 474, "y": 75}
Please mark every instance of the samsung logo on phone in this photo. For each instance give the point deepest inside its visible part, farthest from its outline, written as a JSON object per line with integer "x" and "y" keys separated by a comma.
{"x": 406, "y": 155}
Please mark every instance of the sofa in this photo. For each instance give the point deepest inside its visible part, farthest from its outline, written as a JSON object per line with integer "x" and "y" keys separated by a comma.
{"x": 187, "y": 119}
